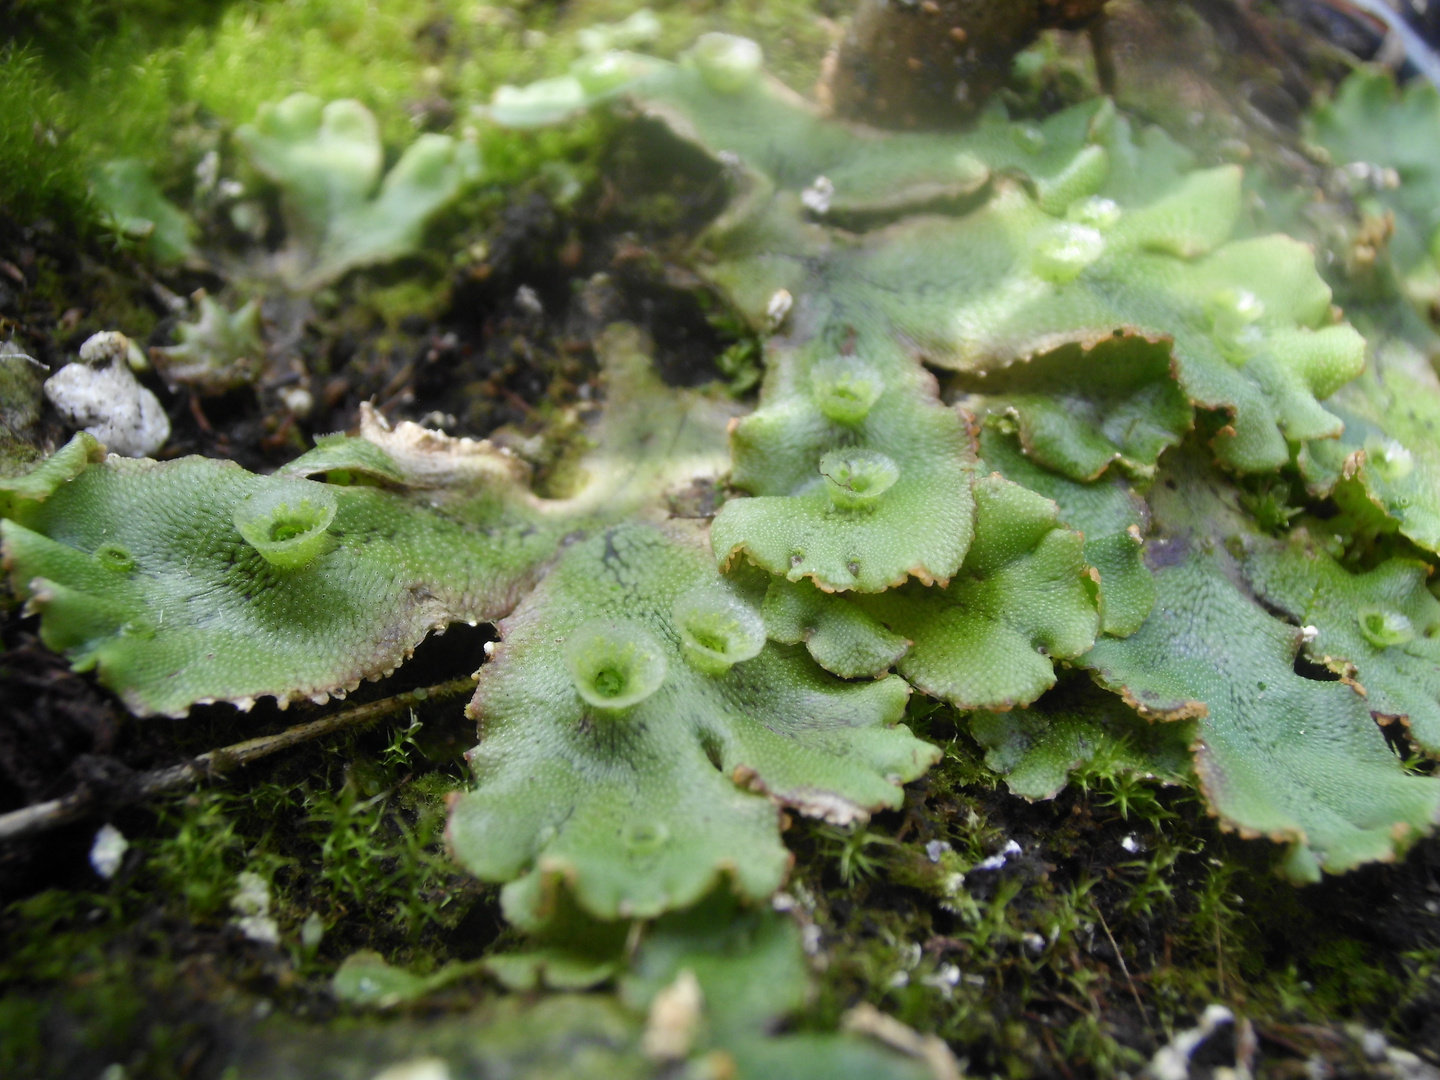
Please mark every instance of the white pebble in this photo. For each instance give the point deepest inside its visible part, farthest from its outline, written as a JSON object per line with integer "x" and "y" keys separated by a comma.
{"x": 101, "y": 395}
{"x": 108, "y": 851}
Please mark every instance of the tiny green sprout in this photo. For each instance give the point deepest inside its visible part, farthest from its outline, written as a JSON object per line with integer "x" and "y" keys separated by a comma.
{"x": 1096, "y": 211}
{"x": 1062, "y": 252}
{"x": 286, "y": 522}
{"x": 717, "y": 628}
{"x": 1383, "y": 627}
{"x": 541, "y": 103}
{"x": 856, "y": 477}
{"x": 615, "y": 665}
{"x": 846, "y": 388}
{"x": 726, "y": 62}
{"x": 115, "y": 557}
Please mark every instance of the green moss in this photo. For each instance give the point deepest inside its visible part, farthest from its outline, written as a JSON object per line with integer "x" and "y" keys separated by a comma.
{"x": 39, "y": 170}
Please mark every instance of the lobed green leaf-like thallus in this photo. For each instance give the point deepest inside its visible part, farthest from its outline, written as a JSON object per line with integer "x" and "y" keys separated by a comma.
{"x": 662, "y": 692}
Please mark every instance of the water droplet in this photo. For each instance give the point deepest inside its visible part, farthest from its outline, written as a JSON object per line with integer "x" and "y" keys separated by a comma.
{"x": 1064, "y": 251}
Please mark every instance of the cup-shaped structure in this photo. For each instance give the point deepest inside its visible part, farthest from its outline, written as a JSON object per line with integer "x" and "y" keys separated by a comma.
{"x": 1383, "y": 627}
{"x": 615, "y": 665}
{"x": 717, "y": 628}
{"x": 846, "y": 388}
{"x": 115, "y": 557}
{"x": 1389, "y": 458}
{"x": 856, "y": 478}
{"x": 1063, "y": 251}
{"x": 1234, "y": 317}
{"x": 286, "y": 522}
{"x": 726, "y": 62}
{"x": 1096, "y": 211}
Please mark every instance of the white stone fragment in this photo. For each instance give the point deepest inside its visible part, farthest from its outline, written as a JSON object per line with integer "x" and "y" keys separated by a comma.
{"x": 420, "y": 1069}
{"x": 251, "y": 903}
{"x": 674, "y": 1019}
{"x": 100, "y": 394}
{"x": 1172, "y": 1061}
{"x": 108, "y": 851}
{"x": 816, "y": 198}
{"x": 935, "y": 848}
{"x": 779, "y": 307}
{"x": 298, "y": 401}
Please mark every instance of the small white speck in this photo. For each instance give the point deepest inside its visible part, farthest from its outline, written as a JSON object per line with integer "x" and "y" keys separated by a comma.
{"x": 810, "y": 938}
{"x": 935, "y": 848}
{"x": 297, "y": 400}
{"x": 943, "y": 978}
{"x": 251, "y": 903}
{"x": 817, "y": 196}
{"x": 108, "y": 851}
{"x": 1309, "y": 633}
{"x": 528, "y": 301}
{"x": 995, "y": 862}
{"x": 779, "y": 307}
{"x": 1130, "y": 844}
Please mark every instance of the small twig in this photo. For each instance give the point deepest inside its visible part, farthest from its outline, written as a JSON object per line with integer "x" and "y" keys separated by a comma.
{"x": 1144, "y": 1017}
{"x": 48, "y": 815}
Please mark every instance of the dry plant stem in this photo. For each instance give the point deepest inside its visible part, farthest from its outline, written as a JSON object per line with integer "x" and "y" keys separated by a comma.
{"x": 1134, "y": 993}
{"x": 48, "y": 815}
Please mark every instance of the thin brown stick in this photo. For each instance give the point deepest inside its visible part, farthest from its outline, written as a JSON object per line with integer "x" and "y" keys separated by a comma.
{"x": 1135, "y": 993}
{"x": 48, "y": 815}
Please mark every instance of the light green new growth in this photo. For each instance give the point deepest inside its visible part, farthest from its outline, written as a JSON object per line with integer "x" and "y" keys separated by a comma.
{"x": 133, "y": 205}
{"x": 217, "y": 352}
{"x": 327, "y": 162}
{"x": 613, "y": 763}
{"x": 1384, "y": 142}
{"x": 1277, "y": 755}
{"x": 1380, "y": 628}
{"x": 1114, "y": 358}
{"x": 1079, "y": 727}
{"x": 194, "y": 580}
